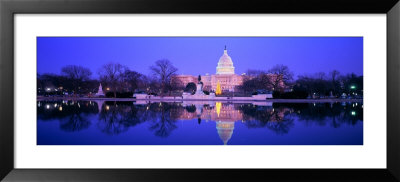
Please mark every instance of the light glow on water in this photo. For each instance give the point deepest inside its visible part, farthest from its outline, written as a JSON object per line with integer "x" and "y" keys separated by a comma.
{"x": 128, "y": 123}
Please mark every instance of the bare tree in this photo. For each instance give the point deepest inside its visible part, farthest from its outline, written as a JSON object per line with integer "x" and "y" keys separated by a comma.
{"x": 77, "y": 75}
{"x": 280, "y": 75}
{"x": 176, "y": 85}
{"x": 112, "y": 74}
{"x": 163, "y": 70}
{"x": 132, "y": 80}
{"x": 150, "y": 84}
{"x": 334, "y": 76}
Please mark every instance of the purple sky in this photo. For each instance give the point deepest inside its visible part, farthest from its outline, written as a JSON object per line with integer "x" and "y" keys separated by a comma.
{"x": 200, "y": 55}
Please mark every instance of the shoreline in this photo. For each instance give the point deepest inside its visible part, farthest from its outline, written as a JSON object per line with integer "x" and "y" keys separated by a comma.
{"x": 217, "y": 100}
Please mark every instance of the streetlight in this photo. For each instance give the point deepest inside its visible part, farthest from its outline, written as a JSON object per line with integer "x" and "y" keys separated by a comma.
{"x": 353, "y": 87}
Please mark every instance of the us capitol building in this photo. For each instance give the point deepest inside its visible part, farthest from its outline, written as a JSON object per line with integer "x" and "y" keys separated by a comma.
{"x": 225, "y": 76}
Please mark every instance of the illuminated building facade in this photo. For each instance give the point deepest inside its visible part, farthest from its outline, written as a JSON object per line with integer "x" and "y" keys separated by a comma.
{"x": 225, "y": 75}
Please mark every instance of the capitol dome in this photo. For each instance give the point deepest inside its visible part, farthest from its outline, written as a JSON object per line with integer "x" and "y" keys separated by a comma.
{"x": 225, "y": 64}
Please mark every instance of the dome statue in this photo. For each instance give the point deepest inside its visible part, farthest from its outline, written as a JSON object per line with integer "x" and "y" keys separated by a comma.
{"x": 225, "y": 64}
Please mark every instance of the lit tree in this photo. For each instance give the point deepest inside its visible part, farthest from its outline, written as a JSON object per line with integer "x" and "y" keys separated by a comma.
{"x": 218, "y": 91}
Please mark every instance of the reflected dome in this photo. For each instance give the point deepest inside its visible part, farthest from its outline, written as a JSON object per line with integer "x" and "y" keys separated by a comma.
{"x": 225, "y": 130}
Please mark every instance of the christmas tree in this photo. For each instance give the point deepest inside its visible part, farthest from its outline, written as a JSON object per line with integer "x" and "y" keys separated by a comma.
{"x": 218, "y": 91}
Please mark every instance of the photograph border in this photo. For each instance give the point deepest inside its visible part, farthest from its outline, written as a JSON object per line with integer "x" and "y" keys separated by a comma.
{"x": 9, "y": 8}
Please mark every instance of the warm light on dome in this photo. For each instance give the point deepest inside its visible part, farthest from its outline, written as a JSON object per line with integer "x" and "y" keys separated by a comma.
{"x": 225, "y": 64}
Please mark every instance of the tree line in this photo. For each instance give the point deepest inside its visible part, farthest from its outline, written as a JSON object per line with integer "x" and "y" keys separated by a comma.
{"x": 117, "y": 80}
{"x": 279, "y": 79}
{"x": 120, "y": 81}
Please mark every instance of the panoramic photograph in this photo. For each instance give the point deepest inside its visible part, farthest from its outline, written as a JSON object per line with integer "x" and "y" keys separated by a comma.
{"x": 199, "y": 91}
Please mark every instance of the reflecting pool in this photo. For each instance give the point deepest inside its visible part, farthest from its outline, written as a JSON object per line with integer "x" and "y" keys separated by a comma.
{"x": 99, "y": 122}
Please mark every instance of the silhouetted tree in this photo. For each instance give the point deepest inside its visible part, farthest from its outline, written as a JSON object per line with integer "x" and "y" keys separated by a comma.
{"x": 77, "y": 75}
{"x": 112, "y": 75}
{"x": 132, "y": 80}
{"x": 334, "y": 74}
{"x": 282, "y": 74}
{"x": 163, "y": 71}
{"x": 190, "y": 88}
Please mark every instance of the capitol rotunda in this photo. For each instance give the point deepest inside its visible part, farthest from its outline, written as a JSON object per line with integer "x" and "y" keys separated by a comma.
{"x": 225, "y": 65}
{"x": 225, "y": 76}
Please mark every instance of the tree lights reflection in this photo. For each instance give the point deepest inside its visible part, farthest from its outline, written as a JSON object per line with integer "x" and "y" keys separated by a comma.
{"x": 115, "y": 118}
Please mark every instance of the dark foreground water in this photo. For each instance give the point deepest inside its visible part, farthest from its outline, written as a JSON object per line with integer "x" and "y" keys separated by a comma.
{"x": 198, "y": 123}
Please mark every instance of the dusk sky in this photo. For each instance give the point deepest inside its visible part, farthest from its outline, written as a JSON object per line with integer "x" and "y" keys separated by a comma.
{"x": 200, "y": 55}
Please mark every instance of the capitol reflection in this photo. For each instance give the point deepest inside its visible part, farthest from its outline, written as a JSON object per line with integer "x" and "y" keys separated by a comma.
{"x": 225, "y": 115}
{"x": 162, "y": 119}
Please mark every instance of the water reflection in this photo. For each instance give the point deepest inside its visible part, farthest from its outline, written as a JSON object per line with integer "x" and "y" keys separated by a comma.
{"x": 116, "y": 118}
{"x": 161, "y": 118}
{"x": 72, "y": 115}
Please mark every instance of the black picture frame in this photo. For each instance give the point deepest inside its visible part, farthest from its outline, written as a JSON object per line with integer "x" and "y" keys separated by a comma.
{"x": 8, "y": 8}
